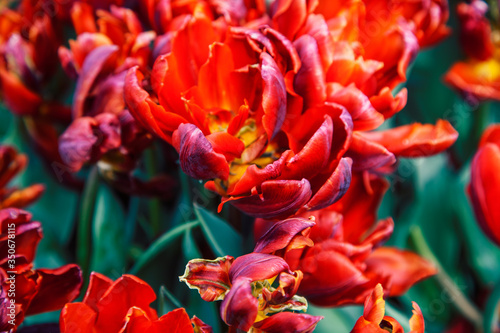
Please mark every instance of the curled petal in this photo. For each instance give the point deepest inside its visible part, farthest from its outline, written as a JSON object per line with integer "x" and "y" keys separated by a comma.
{"x": 310, "y": 79}
{"x": 98, "y": 286}
{"x": 402, "y": 269}
{"x": 240, "y": 307}
{"x": 484, "y": 189}
{"x": 491, "y": 135}
{"x": 333, "y": 188}
{"x": 198, "y": 158}
{"x": 210, "y": 277}
{"x": 417, "y": 324}
{"x": 226, "y": 144}
{"x": 288, "y": 322}
{"x": 415, "y": 140}
{"x": 200, "y": 326}
{"x": 257, "y": 266}
{"x": 284, "y": 233}
{"x": 279, "y": 199}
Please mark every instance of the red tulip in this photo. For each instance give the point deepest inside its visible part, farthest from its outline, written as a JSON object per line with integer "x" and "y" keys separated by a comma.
{"x": 485, "y": 183}
{"x": 122, "y": 306}
{"x": 374, "y": 321}
{"x": 223, "y": 105}
{"x": 35, "y": 290}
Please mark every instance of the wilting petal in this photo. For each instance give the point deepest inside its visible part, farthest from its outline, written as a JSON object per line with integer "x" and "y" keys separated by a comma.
{"x": 210, "y": 277}
{"x": 484, "y": 189}
{"x": 283, "y": 234}
{"x": 198, "y": 158}
{"x": 288, "y": 322}
{"x": 257, "y": 266}
{"x": 401, "y": 268}
{"x": 240, "y": 307}
{"x": 200, "y": 326}
{"x": 56, "y": 287}
{"x": 279, "y": 199}
{"x": 415, "y": 140}
{"x": 333, "y": 188}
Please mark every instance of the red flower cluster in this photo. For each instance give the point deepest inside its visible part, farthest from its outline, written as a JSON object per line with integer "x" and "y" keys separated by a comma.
{"x": 273, "y": 110}
{"x": 347, "y": 260}
{"x": 24, "y": 290}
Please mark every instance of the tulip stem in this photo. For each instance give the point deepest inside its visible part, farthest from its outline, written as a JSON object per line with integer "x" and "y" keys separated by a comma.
{"x": 84, "y": 229}
{"x": 465, "y": 306}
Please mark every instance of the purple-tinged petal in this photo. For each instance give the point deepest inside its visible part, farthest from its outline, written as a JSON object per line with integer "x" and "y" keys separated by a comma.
{"x": 240, "y": 307}
{"x": 284, "y": 233}
{"x": 288, "y": 322}
{"x": 273, "y": 96}
{"x": 257, "y": 266}
{"x": 197, "y": 156}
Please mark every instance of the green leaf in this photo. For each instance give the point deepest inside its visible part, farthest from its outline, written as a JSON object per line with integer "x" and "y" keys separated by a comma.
{"x": 336, "y": 320}
{"x": 189, "y": 248}
{"x": 222, "y": 237}
{"x": 491, "y": 311}
{"x": 109, "y": 246}
{"x": 160, "y": 245}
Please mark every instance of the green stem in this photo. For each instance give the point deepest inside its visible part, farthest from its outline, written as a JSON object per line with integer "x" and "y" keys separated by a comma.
{"x": 153, "y": 203}
{"x": 160, "y": 245}
{"x": 84, "y": 229}
{"x": 465, "y": 306}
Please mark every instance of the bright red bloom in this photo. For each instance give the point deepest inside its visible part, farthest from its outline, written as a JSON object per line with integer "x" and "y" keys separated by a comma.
{"x": 122, "y": 306}
{"x": 374, "y": 321}
{"x": 36, "y": 290}
{"x": 347, "y": 260}
{"x": 477, "y": 78}
{"x": 484, "y": 188}
{"x": 12, "y": 163}
{"x": 220, "y": 99}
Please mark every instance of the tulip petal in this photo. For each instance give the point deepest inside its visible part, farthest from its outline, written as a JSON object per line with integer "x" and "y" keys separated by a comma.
{"x": 367, "y": 154}
{"x": 401, "y": 268}
{"x": 18, "y": 98}
{"x": 257, "y": 266}
{"x": 415, "y": 140}
{"x": 281, "y": 234}
{"x": 227, "y": 145}
{"x": 94, "y": 63}
{"x": 288, "y": 322}
{"x": 333, "y": 188}
{"x": 56, "y": 287}
{"x": 485, "y": 189}
{"x": 209, "y": 277}
{"x": 77, "y": 317}
{"x": 240, "y": 307}
{"x": 198, "y": 158}
{"x": 273, "y": 96}
{"x": 98, "y": 286}
{"x": 279, "y": 199}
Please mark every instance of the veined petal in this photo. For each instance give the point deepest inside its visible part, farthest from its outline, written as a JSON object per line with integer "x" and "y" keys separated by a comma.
{"x": 77, "y": 316}
{"x": 197, "y": 156}
{"x": 210, "y": 277}
{"x": 273, "y": 96}
{"x": 367, "y": 154}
